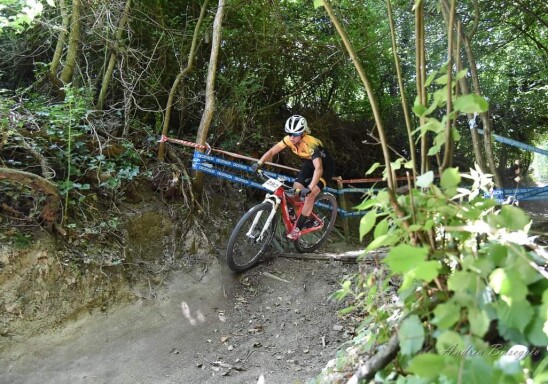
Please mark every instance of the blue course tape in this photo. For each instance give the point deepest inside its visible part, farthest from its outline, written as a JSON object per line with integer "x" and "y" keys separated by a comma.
{"x": 500, "y": 195}
{"x": 518, "y": 144}
{"x": 205, "y": 163}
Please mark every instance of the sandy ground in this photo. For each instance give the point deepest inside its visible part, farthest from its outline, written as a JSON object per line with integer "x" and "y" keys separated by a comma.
{"x": 208, "y": 326}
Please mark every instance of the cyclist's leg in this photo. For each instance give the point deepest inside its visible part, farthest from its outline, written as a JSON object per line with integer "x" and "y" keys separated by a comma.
{"x": 300, "y": 180}
{"x": 328, "y": 172}
{"x": 303, "y": 178}
{"x": 309, "y": 201}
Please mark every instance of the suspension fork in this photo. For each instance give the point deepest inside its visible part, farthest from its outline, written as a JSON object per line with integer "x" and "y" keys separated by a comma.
{"x": 271, "y": 199}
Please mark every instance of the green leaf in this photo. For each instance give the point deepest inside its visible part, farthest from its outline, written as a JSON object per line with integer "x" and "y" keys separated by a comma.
{"x": 414, "y": 227}
{"x": 517, "y": 315}
{"x": 404, "y": 258}
{"x": 513, "y": 217}
{"x": 378, "y": 242}
{"x": 427, "y": 271}
{"x": 440, "y": 96}
{"x": 367, "y": 222}
{"x": 455, "y": 134}
{"x": 446, "y": 315}
{"x": 450, "y": 343}
{"x": 442, "y": 80}
{"x": 509, "y": 284}
{"x": 460, "y": 74}
{"x": 429, "y": 224}
{"x": 411, "y": 335}
{"x": 346, "y": 310}
{"x": 381, "y": 228}
{"x": 430, "y": 78}
{"x": 462, "y": 281}
{"x": 366, "y": 204}
{"x": 450, "y": 178}
{"x": 419, "y": 110}
{"x": 497, "y": 253}
{"x": 478, "y": 370}
{"x": 479, "y": 321}
{"x": 534, "y": 331}
{"x": 434, "y": 149}
{"x": 427, "y": 365}
{"x": 425, "y": 180}
{"x": 431, "y": 108}
{"x": 372, "y": 168}
{"x": 471, "y": 103}
{"x": 318, "y": 3}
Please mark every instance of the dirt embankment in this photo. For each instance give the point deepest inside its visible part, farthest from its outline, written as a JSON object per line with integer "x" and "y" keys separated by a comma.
{"x": 161, "y": 307}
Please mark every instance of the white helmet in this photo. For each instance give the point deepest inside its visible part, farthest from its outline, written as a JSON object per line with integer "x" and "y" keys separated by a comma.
{"x": 296, "y": 125}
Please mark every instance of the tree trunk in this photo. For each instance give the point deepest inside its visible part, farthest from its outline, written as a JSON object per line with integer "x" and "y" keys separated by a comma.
{"x": 448, "y": 152}
{"x": 487, "y": 127}
{"x": 51, "y": 75}
{"x": 406, "y": 113}
{"x": 180, "y": 78}
{"x": 465, "y": 90}
{"x": 74, "y": 38}
{"x": 370, "y": 94}
{"x": 113, "y": 56}
{"x": 54, "y": 65}
{"x": 207, "y": 116}
{"x": 420, "y": 62}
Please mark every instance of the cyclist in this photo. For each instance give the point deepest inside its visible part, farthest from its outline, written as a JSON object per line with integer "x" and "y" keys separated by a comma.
{"x": 318, "y": 166}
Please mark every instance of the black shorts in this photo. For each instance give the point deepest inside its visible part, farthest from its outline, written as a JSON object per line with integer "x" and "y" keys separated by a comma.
{"x": 307, "y": 171}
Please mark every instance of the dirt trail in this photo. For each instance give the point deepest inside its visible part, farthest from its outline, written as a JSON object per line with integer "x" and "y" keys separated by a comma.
{"x": 207, "y": 326}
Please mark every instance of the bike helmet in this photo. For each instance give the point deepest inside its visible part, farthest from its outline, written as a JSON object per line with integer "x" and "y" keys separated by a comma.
{"x": 296, "y": 125}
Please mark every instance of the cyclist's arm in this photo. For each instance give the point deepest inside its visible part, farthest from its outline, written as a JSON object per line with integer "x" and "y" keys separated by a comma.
{"x": 269, "y": 155}
{"x": 318, "y": 172}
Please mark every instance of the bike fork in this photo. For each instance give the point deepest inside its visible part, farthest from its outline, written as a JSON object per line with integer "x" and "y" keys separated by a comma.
{"x": 266, "y": 225}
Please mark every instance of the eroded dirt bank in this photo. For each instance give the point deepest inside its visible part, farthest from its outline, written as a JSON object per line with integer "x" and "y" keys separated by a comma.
{"x": 206, "y": 326}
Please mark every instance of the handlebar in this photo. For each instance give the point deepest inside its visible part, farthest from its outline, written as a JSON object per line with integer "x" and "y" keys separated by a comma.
{"x": 288, "y": 188}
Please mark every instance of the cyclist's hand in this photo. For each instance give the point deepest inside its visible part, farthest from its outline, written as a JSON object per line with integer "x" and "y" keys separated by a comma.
{"x": 255, "y": 167}
{"x": 305, "y": 192}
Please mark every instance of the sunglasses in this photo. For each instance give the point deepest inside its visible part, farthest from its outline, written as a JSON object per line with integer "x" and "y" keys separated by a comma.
{"x": 295, "y": 134}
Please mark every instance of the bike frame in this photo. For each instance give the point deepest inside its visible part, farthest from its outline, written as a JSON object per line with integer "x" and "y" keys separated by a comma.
{"x": 280, "y": 198}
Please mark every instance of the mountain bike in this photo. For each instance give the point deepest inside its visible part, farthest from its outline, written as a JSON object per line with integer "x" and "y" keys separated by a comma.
{"x": 254, "y": 232}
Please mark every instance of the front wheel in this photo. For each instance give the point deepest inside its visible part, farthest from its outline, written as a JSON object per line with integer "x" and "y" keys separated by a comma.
{"x": 325, "y": 209}
{"x": 246, "y": 244}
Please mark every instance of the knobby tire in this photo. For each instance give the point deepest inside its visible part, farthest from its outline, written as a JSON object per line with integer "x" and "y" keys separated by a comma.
{"x": 242, "y": 252}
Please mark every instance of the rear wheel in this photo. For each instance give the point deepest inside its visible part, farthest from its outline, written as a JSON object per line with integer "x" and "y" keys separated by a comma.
{"x": 246, "y": 245}
{"x": 325, "y": 208}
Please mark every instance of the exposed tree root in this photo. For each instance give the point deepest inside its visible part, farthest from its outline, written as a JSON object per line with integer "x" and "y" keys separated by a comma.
{"x": 37, "y": 184}
{"x": 380, "y": 360}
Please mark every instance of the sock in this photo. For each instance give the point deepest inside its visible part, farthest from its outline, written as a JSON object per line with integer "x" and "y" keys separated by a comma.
{"x": 301, "y": 220}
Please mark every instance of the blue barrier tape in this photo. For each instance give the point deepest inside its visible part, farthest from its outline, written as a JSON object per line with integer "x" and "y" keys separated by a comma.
{"x": 518, "y": 144}
{"x": 199, "y": 164}
{"x": 533, "y": 192}
{"x": 201, "y": 156}
{"x": 204, "y": 167}
{"x": 524, "y": 194}
{"x": 198, "y": 157}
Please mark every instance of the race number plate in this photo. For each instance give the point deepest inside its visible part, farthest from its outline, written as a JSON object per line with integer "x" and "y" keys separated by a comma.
{"x": 272, "y": 184}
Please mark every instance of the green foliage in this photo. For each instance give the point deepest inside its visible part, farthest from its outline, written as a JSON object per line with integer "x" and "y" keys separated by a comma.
{"x": 19, "y": 14}
{"x": 77, "y": 147}
{"x": 470, "y": 103}
{"x": 469, "y": 287}
{"x": 71, "y": 147}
